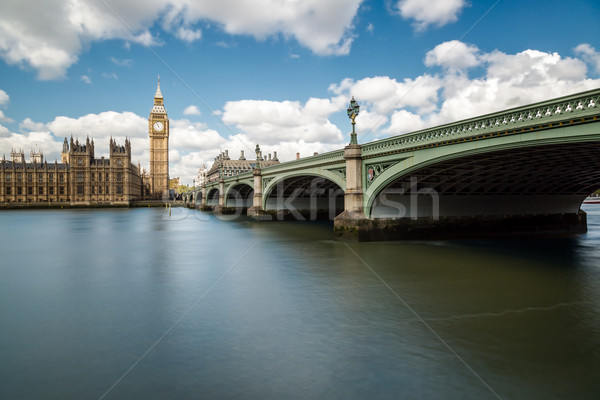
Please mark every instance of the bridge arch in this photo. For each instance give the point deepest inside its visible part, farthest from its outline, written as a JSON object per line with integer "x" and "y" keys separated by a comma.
{"x": 536, "y": 179}
{"x": 212, "y": 197}
{"x": 239, "y": 195}
{"x": 305, "y": 195}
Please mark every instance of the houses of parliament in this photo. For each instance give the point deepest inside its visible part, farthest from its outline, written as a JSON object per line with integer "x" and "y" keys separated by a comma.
{"x": 82, "y": 179}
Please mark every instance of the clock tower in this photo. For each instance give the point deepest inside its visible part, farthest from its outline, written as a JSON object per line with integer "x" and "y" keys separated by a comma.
{"x": 158, "y": 129}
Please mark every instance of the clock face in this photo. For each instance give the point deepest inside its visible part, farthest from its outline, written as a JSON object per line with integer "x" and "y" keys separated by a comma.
{"x": 158, "y": 126}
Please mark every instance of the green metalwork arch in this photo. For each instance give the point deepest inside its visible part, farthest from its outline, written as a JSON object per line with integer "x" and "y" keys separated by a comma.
{"x": 424, "y": 158}
{"x": 325, "y": 174}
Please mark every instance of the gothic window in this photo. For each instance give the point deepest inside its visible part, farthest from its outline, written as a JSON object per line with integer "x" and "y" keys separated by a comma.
{"x": 61, "y": 190}
{"x": 19, "y": 190}
{"x": 79, "y": 177}
{"x": 61, "y": 178}
{"x": 119, "y": 189}
{"x": 107, "y": 179}
{"x": 30, "y": 190}
{"x": 50, "y": 177}
{"x": 99, "y": 189}
{"x": 93, "y": 177}
{"x": 119, "y": 177}
{"x": 29, "y": 177}
{"x": 80, "y": 190}
{"x": 19, "y": 177}
{"x": 40, "y": 190}
{"x": 41, "y": 178}
{"x": 51, "y": 190}
{"x": 8, "y": 178}
{"x": 8, "y": 190}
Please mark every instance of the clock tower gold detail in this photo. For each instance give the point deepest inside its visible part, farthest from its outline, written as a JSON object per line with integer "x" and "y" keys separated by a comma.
{"x": 158, "y": 129}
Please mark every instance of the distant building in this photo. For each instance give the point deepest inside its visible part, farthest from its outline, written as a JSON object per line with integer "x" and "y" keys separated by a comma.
{"x": 174, "y": 183}
{"x": 79, "y": 178}
{"x": 231, "y": 167}
{"x": 201, "y": 178}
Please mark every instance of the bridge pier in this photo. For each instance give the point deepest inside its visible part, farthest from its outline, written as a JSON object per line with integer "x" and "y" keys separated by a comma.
{"x": 352, "y": 220}
{"x": 257, "y": 211}
{"x": 218, "y": 209}
{"x": 475, "y": 227}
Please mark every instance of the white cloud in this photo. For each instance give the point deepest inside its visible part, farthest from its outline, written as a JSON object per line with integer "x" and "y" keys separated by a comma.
{"x": 4, "y": 118}
{"x": 125, "y": 62}
{"x": 42, "y": 140}
{"x": 390, "y": 107}
{"x": 186, "y": 135}
{"x": 453, "y": 54}
{"x": 4, "y": 98}
{"x": 191, "y": 110}
{"x": 188, "y": 35}
{"x": 29, "y": 125}
{"x": 86, "y": 79}
{"x": 382, "y": 94}
{"x": 404, "y": 121}
{"x": 4, "y": 132}
{"x": 271, "y": 121}
{"x": 50, "y": 36}
{"x": 431, "y": 12}
{"x": 103, "y": 125}
{"x": 589, "y": 54}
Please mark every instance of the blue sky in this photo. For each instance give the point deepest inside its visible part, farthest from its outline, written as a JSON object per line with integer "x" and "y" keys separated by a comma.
{"x": 278, "y": 72}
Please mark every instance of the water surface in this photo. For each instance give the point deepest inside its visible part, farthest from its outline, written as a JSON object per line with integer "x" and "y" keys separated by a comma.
{"x": 134, "y": 304}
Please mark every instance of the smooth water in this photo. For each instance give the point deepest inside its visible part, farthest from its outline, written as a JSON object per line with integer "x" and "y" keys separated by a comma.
{"x": 137, "y": 304}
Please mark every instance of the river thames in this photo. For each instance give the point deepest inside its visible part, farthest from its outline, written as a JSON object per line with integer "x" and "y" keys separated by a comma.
{"x": 137, "y": 304}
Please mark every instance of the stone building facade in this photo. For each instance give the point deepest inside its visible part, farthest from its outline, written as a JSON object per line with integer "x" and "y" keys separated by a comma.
{"x": 224, "y": 165}
{"x": 79, "y": 179}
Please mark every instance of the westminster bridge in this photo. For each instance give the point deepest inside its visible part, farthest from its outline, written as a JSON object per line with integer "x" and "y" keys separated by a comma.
{"x": 524, "y": 170}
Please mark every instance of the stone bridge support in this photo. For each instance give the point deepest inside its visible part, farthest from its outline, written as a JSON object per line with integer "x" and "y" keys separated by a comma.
{"x": 257, "y": 211}
{"x": 348, "y": 223}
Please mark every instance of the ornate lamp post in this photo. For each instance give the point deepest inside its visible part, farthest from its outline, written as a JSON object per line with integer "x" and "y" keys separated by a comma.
{"x": 353, "y": 110}
{"x": 257, "y": 150}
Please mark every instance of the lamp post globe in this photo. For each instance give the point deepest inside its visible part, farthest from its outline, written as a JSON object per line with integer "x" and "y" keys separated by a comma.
{"x": 353, "y": 111}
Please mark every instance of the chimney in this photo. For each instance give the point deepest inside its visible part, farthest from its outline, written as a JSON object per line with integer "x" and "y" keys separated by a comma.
{"x": 297, "y": 156}
{"x": 275, "y": 156}
{"x": 226, "y": 156}
{"x": 315, "y": 153}
{"x": 269, "y": 156}
{"x": 242, "y": 156}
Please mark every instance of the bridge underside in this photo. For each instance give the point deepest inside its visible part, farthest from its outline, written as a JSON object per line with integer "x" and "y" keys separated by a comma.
{"x": 305, "y": 197}
{"x": 527, "y": 190}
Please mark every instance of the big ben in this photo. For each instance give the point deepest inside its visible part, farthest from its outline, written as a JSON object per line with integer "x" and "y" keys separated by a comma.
{"x": 158, "y": 129}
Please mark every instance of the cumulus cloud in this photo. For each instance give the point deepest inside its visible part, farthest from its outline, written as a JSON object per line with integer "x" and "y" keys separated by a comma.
{"x": 4, "y": 118}
{"x": 193, "y": 136}
{"x": 42, "y": 140}
{"x": 448, "y": 94}
{"x": 4, "y": 132}
{"x": 4, "y": 98}
{"x": 29, "y": 125}
{"x": 50, "y": 36}
{"x": 589, "y": 54}
{"x": 102, "y": 125}
{"x": 453, "y": 54}
{"x": 272, "y": 121}
{"x": 431, "y": 12}
{"x": 191, "y": 110}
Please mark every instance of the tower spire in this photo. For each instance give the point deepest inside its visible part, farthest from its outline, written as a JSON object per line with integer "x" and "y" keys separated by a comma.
{"x": 158, "y": 94}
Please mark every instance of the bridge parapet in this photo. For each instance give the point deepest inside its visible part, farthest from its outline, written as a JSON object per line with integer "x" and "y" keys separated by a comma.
{"x": 576, "y": 108}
